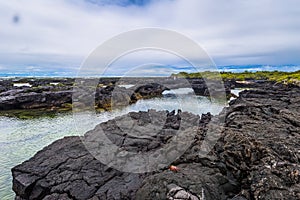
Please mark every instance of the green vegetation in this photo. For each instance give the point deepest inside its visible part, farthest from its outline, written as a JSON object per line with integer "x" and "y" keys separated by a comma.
{"x": 277, "y": 76}
{"x": 34, "y": 113}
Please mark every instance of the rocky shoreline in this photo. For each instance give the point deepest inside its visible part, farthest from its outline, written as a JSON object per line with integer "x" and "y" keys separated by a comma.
{"x": 50, "y": 96}
{"x": 26, "y": 97}
{"x": 257, "y": 156}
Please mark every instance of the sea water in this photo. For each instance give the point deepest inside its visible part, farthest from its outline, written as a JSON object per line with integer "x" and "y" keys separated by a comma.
{"x": 21, "y": 139}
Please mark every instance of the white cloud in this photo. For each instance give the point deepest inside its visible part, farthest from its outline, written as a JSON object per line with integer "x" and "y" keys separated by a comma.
{"x": 62, "y": 33}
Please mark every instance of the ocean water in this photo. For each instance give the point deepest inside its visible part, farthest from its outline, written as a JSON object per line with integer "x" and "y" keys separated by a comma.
{"x": 227, "y": 68}
{"x": 254, "y": 68}
{"x": 21, "y": 139}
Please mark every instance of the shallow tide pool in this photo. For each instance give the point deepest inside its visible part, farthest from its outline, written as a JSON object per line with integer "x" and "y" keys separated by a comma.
{"x": 21, "y": 139}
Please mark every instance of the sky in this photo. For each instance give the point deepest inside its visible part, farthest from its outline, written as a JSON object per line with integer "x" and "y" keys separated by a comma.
{"x": 58, "y": 35}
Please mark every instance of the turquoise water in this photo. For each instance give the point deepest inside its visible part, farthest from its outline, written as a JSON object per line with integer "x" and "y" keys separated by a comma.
{"x": 73, "y": 73}
{"x": 21, "y": 139}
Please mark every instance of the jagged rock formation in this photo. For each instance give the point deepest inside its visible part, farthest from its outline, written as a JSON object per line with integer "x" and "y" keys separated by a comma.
{"x": 58, "y": 172}
{"x": 260, "y": 147}
{"x": 55, "y": 94}
{"x": 256, "y": 157}
{"x": 30, "y": 99}
{"x": 55, "y": 97}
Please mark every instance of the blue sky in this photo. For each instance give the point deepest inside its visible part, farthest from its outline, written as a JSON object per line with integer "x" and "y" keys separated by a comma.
{"x": 57, "y": 35}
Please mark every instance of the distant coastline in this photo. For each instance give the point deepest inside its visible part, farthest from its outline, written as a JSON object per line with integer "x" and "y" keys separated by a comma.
{"x": 272, "y": 76}
{"x": 227, "y": 68}
{"x": 29, "y": 97}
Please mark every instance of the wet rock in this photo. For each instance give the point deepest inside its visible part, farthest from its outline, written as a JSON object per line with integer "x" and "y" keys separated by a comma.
{"x": 257, "y": 155}
{"x": 56, "y": 93}
{"x": 67, "y": 169}
{"x": 153, "y": 89}
{"x": 24, "y": 99}
{"x": 58, "y": 96}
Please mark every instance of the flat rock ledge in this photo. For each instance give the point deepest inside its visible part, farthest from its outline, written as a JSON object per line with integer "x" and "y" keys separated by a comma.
{"x": 256, "y": 157}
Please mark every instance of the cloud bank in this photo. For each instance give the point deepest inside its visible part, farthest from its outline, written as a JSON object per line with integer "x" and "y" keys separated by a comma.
{"x": 58, "y": 35}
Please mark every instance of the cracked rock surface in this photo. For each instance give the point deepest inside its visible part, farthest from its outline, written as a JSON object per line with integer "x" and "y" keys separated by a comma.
{"x": 257, "y": 156}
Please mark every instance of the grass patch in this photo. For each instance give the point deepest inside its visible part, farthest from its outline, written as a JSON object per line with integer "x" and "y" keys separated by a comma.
{"x": 33, "y": 113}
{"x": 277, "y": 76}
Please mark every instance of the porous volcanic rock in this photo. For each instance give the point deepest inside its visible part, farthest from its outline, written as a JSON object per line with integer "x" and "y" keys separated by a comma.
{"x": 66, "y": 169}
{"x": 56, "y": 93}
{"x": 260, "y": 144}
{"x": 257, "y": 156}
{"x": 55, "y": 97}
